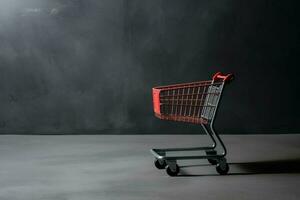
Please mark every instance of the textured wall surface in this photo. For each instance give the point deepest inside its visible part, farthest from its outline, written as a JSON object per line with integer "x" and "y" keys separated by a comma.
{"x": 88, "y": 66}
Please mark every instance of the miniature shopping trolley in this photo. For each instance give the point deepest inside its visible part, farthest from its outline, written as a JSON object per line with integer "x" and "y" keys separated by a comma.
{"x": 197, "y": 103}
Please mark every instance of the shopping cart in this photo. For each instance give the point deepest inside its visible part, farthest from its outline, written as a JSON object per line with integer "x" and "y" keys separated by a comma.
{"x": 197, "y": 103}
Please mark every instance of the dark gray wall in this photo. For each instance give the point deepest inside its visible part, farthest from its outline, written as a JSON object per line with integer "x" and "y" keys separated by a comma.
{"x": 87, "y": 66}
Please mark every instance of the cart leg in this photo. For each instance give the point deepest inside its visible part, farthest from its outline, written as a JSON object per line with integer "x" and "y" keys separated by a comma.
{"x": 222, "y": 166}
{"x": 214, "y": 144}
{"x": 212, "y": 151}
{"x": 219, "y": 140}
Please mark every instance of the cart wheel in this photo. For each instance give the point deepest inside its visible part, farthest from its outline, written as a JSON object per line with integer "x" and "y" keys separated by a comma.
{"x": 170, "y": 172}
{"x": 222, "y": 167}
{"x": 160, "y": 164}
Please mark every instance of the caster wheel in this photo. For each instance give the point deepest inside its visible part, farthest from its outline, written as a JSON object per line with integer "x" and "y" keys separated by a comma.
{"x": 160, "y": 164}
{"x": 170, "y": 172}
{"x": 210, "y": 160}
{"x": 222, "y": 167}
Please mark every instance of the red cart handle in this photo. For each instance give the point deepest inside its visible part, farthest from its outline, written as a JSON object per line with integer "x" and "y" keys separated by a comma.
{"x": 226, "y": 78}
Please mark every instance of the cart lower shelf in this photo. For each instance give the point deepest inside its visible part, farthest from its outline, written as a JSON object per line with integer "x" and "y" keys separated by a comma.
{"x": 173, "y": 169}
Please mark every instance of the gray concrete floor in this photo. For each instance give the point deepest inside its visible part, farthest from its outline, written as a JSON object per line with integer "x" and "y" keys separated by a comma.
{"x": 118, "y": 167}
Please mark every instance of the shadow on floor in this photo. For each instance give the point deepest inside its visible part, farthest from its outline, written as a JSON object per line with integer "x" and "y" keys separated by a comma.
{"x": 259, "y": 167}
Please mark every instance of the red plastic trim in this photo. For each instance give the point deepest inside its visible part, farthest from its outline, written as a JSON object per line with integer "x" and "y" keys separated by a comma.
{"x": 225, "y": 78}
{"x": 156, "y": 101}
